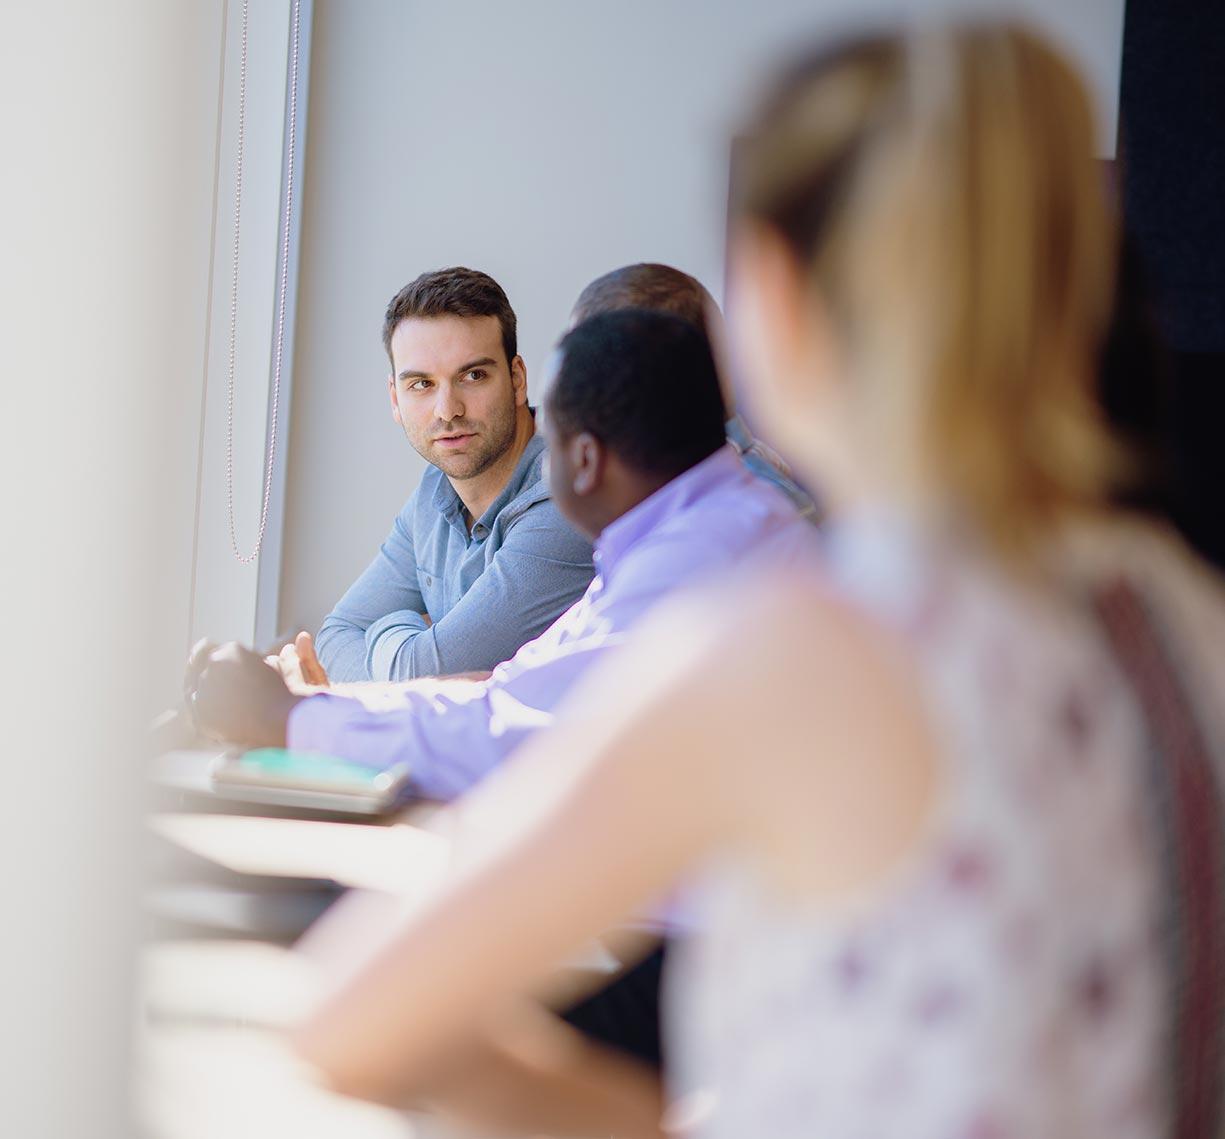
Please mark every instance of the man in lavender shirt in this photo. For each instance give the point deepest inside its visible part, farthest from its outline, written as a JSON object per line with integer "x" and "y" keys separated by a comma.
{"x": 639, "y": 460}
{"x": 663, "y": 288}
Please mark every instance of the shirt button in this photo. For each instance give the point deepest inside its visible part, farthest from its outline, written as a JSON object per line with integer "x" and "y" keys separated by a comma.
{"x": 478, "y": 531}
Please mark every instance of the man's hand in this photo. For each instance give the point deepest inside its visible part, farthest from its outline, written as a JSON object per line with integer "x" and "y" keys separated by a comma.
{"x": 233, "y": 695}
{"x": 299, "y": 665}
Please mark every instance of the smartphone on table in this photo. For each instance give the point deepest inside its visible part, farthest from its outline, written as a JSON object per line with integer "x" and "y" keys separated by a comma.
{"x": 309, "y": 779}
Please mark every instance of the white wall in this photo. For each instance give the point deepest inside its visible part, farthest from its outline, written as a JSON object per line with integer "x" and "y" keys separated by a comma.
{"x": 542, "y": 141}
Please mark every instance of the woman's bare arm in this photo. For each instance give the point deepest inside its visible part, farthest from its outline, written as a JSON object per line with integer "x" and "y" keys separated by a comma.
{"x": 533, "y": 1074}
{"x": 695, "y": 737}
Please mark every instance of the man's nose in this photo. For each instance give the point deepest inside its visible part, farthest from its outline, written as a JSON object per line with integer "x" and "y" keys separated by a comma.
{"x": 447, "y": 404}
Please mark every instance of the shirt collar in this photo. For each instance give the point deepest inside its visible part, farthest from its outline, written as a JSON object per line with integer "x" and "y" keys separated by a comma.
{"x": 619, "y": 537}
{"x": 527, "y": 471}
{"x": 739, "y": 435}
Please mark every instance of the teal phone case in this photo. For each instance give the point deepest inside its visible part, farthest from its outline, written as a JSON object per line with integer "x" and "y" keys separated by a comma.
{"x": 310, "y": 768}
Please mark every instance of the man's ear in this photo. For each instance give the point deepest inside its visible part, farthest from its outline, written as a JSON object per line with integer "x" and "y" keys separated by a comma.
{"x": 587, "y": 457}
{"x": 518, "y": 380}
{"x": 395, "y": 403}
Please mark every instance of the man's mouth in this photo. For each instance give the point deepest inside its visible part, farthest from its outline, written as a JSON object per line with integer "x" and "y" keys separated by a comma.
{"x": 453, "y": 440}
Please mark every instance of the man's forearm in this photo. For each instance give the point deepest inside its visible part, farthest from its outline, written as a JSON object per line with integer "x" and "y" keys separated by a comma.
{"x": 389, "y": 647}
{"x": 341, "y": 647}
{"x": 441, "y": 727}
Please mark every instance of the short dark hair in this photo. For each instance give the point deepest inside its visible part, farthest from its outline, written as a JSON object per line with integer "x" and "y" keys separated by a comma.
{"x": 648, "y": 285}
{"x": 644, "y": 384}
{"x": 453, "y": 292}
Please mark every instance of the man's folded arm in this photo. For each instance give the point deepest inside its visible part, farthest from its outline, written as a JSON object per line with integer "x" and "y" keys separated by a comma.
{"x": 542, "y": 567}
{"x": 388, "y": 586}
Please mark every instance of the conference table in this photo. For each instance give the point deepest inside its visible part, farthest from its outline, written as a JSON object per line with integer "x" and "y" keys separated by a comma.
{"x": 219, "y": 982}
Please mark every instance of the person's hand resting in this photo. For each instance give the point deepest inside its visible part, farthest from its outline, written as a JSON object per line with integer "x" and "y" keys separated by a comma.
{"x": 298, "y": 663}
{"x": 233, "y": 695}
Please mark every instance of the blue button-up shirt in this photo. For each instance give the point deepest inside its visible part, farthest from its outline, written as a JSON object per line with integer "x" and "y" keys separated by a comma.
{"x": 487, "y": 591}
{"x": 705, "y": 521}
{"x": 766, "y": 464}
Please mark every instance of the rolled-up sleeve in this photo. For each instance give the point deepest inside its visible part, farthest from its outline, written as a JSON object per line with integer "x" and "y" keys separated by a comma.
{"x": 541, "y": 568}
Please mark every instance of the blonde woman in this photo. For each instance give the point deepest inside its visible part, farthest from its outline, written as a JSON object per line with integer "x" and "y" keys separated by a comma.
{"x": 949, "y": 808}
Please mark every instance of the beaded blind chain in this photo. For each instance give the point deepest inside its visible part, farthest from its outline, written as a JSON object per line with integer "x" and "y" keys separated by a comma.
{"x": 270, "y": 458}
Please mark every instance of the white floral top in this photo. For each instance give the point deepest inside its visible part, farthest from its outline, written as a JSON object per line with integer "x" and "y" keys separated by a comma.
{"x": 1051, "y": 964}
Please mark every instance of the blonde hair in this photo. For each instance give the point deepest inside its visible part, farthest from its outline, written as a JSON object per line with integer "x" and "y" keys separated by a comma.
{"x": 941, "y": 187}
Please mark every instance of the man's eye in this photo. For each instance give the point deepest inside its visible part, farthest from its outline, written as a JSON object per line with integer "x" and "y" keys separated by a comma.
{"x": 475, "y": 375}
{"x": 418, "y": 385}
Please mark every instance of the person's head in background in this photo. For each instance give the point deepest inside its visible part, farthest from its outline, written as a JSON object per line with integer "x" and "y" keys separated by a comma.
{"x": 659, "y": 288}
{"x": 923, "y": 268}
{"x": 647, "y": 285}
{"x": 634, "y": 403}
{"x": 458, "y": 385}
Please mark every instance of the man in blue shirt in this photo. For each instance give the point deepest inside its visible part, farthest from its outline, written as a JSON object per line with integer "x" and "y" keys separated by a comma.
{"x": 493, "y": 584}
{"x": 479, "y": 561}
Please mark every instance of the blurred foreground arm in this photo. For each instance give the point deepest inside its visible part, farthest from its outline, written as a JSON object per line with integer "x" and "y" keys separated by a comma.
{"x": 657, "y": 761}
{"x": 530, "y": 1072}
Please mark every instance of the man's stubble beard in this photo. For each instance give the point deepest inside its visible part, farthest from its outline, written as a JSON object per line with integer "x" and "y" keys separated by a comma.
{"x": 497, "y": 438}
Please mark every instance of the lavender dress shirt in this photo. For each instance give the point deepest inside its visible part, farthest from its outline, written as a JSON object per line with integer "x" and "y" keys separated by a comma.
{"x": 702, "y": 522}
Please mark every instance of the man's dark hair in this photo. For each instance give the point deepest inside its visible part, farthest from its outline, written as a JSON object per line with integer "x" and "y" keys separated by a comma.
{"x": 659, "y": 288}
{"x": 453, "y": 292}
{"x": 644, "y": 384}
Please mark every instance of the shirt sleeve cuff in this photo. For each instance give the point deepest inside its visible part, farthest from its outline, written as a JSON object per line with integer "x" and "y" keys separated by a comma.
{"x": 317, "y": 724}
{"x": 385, "y": 637}
{"x": 343, "y": 727}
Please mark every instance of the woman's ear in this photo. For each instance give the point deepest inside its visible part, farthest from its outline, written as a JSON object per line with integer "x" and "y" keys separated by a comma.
{"x": 781, "y": 334}
{"x": 767, "y": 301}
{"x": 586, "y": 463}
